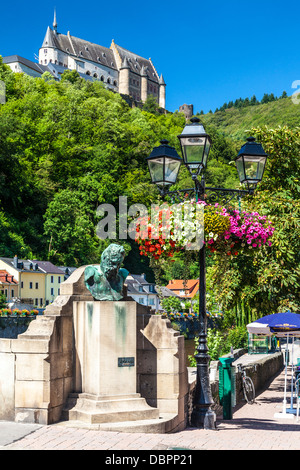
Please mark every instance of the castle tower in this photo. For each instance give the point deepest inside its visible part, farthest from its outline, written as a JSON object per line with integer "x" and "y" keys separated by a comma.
{"x": 124, "y": 75}
{"x": 187, "y": 110}
{"x": 162, "y": 92}
{"x": 144, "y": 84}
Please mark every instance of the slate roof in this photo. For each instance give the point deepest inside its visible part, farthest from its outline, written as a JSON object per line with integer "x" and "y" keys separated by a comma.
{"x": 80, "y": 48}
{"x": 32, "y": 65}
{"x": 47, "y": 267}
{"x": 165, "y": 292}
{"x": 44, "y": 267}
{"x": 137, "y": 63}
{"x": 23, "y": 265}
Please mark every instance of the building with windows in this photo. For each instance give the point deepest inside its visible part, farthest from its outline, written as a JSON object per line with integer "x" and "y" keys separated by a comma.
{"x": 186, "y": 290}
{"x": 117, "y": 68}
{"x": 142, "y": 291}
{"x": 54, "y": 276}
{"x": 145, "y": 293}
{"x": 34, "y": 282}
{"x": 8, "y": 285}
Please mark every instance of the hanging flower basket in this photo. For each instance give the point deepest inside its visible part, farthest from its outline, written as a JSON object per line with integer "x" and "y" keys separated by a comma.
{"x": 246, "y": 232}
{"x": 226, "y": 232}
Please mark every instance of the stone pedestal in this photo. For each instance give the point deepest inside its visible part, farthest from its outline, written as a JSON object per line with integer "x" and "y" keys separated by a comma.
{"x": 105, "y": 375}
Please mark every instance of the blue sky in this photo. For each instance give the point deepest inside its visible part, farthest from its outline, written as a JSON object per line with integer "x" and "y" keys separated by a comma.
{"x": 208, "y": 52}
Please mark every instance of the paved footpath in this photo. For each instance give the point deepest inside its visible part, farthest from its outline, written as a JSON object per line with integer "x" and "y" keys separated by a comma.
{"x": 253, "y": 427}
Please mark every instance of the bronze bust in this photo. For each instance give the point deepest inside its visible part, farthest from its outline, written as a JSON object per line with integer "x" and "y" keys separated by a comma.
{"x": 105, "y": 281}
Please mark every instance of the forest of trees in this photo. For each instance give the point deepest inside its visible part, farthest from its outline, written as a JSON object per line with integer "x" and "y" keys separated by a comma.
{"x": 245, "y": 102}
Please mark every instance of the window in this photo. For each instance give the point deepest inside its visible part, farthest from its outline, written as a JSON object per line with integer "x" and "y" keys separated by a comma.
{"x": 30, "y": 285}
{"x": 59, "y": 281}
{"x": 36, "y": 302}
{"x": 102, "y": 78}
{"x": 58, "y": 291}
{"x": 41, "y": 302}
{"x": 108, "y": 81}
{"x": 45, "y": 51}
{"x": 52, "y": 279}
{"x": 12, "y": 293}
{"x": 36, "y": 285}
{"x": 141, "y": 289}
{"x": 52, "y": 291}
{"x": 151, "y": 301}
{"x": 141, "y": 300}
{"x": 22, "y": 285}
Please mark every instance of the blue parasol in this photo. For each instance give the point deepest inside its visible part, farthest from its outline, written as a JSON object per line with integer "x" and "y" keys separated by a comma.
{"x": 284, "y": 324}
{"x": 279, "y": 324}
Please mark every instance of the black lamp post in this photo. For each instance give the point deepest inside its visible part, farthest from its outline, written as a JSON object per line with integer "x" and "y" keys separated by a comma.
{"x": 164, "y": 164}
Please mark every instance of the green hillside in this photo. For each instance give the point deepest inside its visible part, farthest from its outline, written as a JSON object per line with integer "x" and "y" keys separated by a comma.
{"x": 233, "y": 122}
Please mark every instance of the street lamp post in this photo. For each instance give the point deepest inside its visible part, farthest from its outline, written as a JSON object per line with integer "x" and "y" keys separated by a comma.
{"x": 164, "y": 164}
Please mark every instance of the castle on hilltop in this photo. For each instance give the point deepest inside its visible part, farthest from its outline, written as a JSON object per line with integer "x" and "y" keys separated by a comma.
{"x": 119, "y": 69}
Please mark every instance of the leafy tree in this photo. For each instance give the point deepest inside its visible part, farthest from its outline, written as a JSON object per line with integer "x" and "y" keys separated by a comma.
{"x": 171, "y": 304}
{"x": 70, "y": 232}
{"x": 151, "y": 105}
{"x": 3, "y": 303}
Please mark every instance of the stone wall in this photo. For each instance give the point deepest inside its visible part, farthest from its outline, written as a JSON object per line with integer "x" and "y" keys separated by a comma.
{"x": 261, "y": 370}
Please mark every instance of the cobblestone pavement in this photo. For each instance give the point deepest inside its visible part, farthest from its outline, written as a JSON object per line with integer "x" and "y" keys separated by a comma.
{"x": 253, "y": 427}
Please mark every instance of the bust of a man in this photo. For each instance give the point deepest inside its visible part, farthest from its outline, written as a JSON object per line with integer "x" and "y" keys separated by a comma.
{"x": 105, "y": 282}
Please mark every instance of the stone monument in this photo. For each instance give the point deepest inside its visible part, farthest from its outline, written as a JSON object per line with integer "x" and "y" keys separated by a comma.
{"x": 110, "y": 363}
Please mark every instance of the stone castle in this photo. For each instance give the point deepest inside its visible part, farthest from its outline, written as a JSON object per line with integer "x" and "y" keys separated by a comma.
{"x": 120, "y": 70}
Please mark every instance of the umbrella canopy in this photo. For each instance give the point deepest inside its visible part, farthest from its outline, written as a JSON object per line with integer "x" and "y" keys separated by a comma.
{"x": 284, "y": 324}
{"x": 279, "y": 324}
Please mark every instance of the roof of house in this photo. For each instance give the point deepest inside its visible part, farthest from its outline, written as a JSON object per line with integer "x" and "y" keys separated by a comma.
{"x": 134, "y": 280}
{"x": 140, "y": 278}
{"x": 42, "y": 267}
{"x": 47, "y": 267}
{"x": 190, "y": 287}
{"x": 165, "y": 292}
{"x": 131, "y": 287}
{"x": 6, "y": 278}
{"x": 22, "y": 266}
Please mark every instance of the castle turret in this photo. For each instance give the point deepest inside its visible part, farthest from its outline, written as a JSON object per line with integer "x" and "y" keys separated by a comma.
{"x": 162, "y": 92}
{"x": 124, "y": 78}
{"x": 144, "y": 84}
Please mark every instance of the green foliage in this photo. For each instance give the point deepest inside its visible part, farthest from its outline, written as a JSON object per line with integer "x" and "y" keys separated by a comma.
{"x": 3, "y": 303}
{"x": 220, "y": 343}
{"x": 237, "y": 338}
{"x": 171, "y": 304}
{"x": 234, "y": 121}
